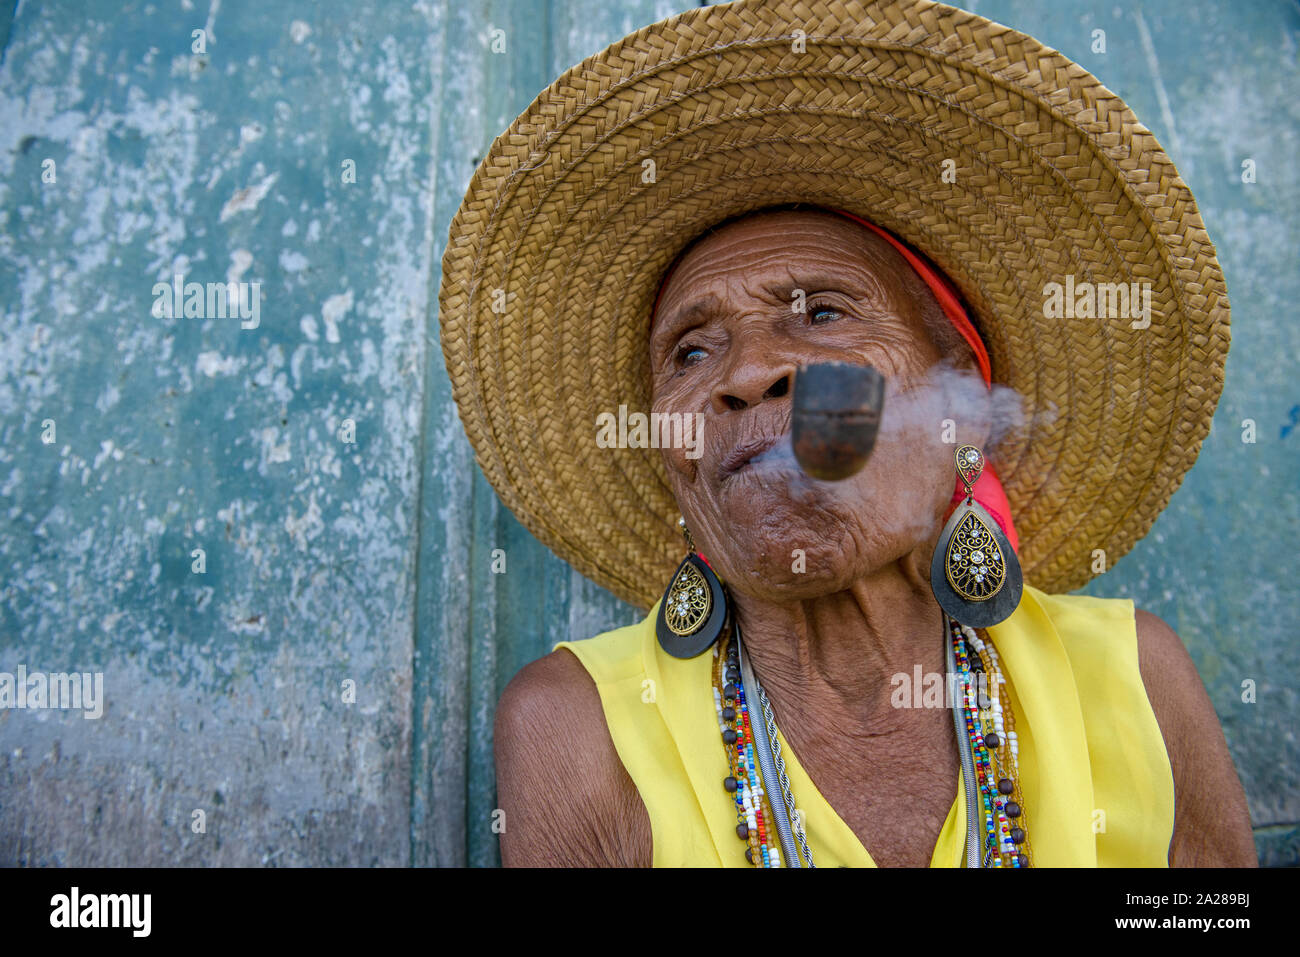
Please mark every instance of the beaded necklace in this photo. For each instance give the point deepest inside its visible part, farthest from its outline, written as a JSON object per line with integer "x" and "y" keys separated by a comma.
{"x": 744, "y": 783}
{"x": 991, "y": 732}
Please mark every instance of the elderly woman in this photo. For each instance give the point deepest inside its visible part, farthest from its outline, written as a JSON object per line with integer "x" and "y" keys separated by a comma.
{"x": 876, "y": 668}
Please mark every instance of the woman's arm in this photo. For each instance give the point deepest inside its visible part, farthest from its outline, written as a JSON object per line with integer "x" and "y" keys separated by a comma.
{"x": 568, "y": 800}
{"x": 1211, "y": 820}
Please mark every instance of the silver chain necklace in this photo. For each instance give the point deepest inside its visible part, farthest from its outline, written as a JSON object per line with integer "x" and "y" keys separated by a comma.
{"x": 781, "y": 776}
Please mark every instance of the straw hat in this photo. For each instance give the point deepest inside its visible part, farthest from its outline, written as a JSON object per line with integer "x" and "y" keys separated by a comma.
{"x": 554, "y": 258}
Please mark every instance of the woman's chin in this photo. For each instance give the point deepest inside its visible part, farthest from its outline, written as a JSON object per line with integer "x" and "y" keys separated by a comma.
{"x": 775, "y": 555}
{"x": 780, "y": 549}
{"x": 780, "y": 584}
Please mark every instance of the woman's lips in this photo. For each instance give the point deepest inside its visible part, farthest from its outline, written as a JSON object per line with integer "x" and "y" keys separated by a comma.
{"x": 752, "y": 452}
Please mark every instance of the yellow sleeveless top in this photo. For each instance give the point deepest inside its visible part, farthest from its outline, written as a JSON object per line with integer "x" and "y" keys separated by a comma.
{"x": 1097, "y": 785}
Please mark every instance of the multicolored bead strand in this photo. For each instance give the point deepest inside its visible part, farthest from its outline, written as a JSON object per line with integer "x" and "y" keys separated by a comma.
{"x": 745, "y": 780}
{"x": 769, "y": 850}
{"x": 1009, "y": 755}
{"x": 1005, "y": 826}
{"x": 969, "y": 673}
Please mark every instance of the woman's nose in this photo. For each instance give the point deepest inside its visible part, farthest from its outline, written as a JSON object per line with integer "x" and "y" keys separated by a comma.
{"x": 752, "y": 377}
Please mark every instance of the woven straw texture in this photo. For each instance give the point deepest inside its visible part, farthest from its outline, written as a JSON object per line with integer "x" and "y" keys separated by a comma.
{"x": 1055, "y": 176}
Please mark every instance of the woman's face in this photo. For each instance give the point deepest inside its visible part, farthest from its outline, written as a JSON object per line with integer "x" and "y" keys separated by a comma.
{"x": 727, "y": 341}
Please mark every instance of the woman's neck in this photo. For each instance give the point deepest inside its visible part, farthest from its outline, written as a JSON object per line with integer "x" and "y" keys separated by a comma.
{"x": 832, "y": 662}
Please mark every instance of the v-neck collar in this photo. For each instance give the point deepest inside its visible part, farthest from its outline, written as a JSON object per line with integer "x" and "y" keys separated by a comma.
{"x": 826, "y": 829}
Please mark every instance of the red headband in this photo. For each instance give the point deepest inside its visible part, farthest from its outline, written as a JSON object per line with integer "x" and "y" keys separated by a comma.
{"x": 988, "y": 489}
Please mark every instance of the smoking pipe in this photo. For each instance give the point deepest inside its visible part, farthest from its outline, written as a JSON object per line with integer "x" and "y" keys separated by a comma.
{"x": 835, "y": 418}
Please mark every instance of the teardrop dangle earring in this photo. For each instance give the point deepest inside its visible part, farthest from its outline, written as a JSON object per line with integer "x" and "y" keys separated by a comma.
{"x": 975, "y": 574}
{"x": 694, "y": 611}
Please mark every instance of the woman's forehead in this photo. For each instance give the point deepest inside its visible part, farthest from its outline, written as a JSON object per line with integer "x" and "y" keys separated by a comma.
{"x": 795, "y": 248}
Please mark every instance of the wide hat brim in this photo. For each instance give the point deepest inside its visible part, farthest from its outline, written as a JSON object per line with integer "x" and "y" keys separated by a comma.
{"x": 555, "y": 256}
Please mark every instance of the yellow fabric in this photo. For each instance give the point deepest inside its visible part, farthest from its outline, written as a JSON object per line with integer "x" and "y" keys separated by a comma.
{"x": 1090, "y": 747}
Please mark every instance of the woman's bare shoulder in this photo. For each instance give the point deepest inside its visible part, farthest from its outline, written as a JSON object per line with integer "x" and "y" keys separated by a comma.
{"x": 568, "y": 800}
{"x": 1211, "y": 819}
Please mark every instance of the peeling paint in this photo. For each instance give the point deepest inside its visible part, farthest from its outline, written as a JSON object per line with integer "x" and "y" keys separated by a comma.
{"x": 247, "y": 199}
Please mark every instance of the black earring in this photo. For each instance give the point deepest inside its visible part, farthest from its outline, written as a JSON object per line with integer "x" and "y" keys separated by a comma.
{"x": 694, "y": 611}
{"x": 975, "y": 574}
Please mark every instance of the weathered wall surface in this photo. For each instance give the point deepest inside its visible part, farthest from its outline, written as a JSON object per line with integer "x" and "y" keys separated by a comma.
{"x": 322, "y": 690}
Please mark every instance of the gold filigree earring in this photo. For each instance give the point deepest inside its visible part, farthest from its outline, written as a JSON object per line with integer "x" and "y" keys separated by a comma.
{"x": 975, "y": 574}
{"x": 694, "y": 611}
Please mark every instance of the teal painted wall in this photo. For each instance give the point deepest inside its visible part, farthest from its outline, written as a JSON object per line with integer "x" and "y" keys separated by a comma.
{"x": 363, "y": 556}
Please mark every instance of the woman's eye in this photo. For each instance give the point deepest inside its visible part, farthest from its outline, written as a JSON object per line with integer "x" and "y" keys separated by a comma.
{"x": 689, "y": 355}
{"x": 819, "y": 315}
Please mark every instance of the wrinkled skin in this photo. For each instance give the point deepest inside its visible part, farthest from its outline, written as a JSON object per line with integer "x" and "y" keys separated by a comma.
{"x": 826, "y": 640}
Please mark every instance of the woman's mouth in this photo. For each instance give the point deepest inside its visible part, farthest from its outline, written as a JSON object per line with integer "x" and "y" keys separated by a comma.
{"x": 771, "y": 450}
